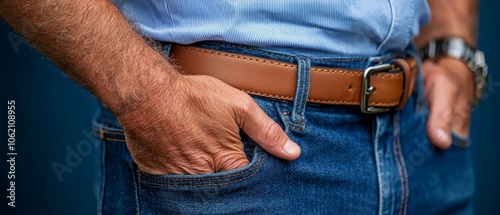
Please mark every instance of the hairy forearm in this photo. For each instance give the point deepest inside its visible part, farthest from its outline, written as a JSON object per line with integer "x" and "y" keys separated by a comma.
{"x": 93, "y": 44}
{"x": 451, "y": 18}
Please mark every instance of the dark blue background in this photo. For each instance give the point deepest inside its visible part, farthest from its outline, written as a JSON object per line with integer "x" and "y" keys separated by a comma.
{"x": 53, "y": 115}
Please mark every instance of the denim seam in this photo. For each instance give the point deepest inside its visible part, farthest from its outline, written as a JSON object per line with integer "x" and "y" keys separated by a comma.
{"x": 255, "y": 169}
{"x": 136, "y": 190}
{"x": 101, "y": 134}
{"x": 288, "y": 123}
{"x": 297, "y": 109}
{"x": 260, "y": 161}
{"x": 282, "y": 116}
{"x": 114, "y": 140}
{"x": 103, "y": 183}
{"x": 379, "y": 167}
{"x": 138, "y": 195}
{"x": 301, "y": 92}
{"x": 401, "y": 166}
{"x": 108, "y": 132}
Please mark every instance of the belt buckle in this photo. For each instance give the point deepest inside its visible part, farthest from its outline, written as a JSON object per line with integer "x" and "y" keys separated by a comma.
{"x": 367, "y": 89}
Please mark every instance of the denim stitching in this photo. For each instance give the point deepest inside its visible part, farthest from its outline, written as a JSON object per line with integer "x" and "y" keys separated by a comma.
{"x": 379, "y": 165}
{"x": 282, "y": 116}
{"x": 260, "y": 163}
{"x": 110, "y": 132}
{"x": 302, "y": 90}
{"x": 295, "y": 128}
{"x": 401, "y": 166}
{"x": 102, "y": 135}
{"x": 299, "y": 92}
{"x": 114, "y": 139}
{"x": 306, "y": 81}
{"x": 136, "y": 189}
{"x": 262, "y": 156}
{"x": 405, "y": 174}
{"x": 104, "y": 178}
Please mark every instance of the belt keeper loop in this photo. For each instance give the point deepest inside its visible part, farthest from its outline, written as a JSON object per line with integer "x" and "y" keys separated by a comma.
{"x": 302, "y": 91}
{"x": 407, "y": 87}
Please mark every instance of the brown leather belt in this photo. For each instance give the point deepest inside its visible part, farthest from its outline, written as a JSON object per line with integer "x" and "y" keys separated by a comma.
{"x": 377, "y": 89}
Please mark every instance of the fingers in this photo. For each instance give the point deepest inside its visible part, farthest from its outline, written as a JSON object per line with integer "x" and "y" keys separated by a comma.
{"x": 440, "y": 118}
{"x": 267, "y": 133}
{"x": 230, "y": 162}
{"x": 448, "y": 91}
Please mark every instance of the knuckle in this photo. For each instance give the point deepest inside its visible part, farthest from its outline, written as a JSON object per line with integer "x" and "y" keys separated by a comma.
{"x": 246, "y": 104}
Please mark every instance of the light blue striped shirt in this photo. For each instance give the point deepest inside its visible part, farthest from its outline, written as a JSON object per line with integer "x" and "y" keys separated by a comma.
{"x": 308, "y": 27}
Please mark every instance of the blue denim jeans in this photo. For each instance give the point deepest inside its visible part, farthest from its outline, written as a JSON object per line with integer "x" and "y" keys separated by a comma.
{"x": 351, "y": 163}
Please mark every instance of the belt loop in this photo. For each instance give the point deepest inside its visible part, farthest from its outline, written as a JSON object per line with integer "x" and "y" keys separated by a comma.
{"x": 419, "y": 89}
{"x": 302, "y": 92}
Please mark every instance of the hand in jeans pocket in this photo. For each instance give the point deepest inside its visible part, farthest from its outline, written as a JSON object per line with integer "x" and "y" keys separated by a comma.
{"x": 192, "y": 127}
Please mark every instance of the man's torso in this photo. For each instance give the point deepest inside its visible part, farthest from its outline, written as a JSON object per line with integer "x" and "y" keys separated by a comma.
{"x": 313, "y": 28}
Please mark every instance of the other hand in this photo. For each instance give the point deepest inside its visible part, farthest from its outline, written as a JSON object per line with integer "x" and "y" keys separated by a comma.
{"x": 449, "y": 87}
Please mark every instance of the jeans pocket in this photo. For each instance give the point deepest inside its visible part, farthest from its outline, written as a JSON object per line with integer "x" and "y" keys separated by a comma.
{"x": 198, "y": 194}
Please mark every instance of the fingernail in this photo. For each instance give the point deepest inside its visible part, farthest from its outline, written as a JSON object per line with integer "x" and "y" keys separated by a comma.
{"x": 291, "y": 147}
{"x": 443, "y": 136}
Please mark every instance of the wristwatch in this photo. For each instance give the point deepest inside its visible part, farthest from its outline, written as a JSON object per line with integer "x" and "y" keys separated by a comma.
{"x": 457, "y": 48}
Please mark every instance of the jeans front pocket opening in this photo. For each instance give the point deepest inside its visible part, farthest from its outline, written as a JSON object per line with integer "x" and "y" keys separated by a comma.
{"x": 205, "y": 180}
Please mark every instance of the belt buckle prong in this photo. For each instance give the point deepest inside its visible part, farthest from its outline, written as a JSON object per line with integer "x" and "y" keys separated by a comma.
{"x": 367, "y": 89}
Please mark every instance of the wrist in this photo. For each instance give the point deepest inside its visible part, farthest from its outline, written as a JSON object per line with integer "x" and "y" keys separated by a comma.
{"x": 141, "y": 83}
{"x": 456, "y": 51}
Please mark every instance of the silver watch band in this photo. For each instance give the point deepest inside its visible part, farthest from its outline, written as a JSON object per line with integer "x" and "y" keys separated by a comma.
{"x": 457, "y": 48}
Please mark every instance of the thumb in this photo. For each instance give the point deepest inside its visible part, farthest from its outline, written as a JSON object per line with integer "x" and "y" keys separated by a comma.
{"x": 442, "y": 98}
{"x": 267, "y": 133}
